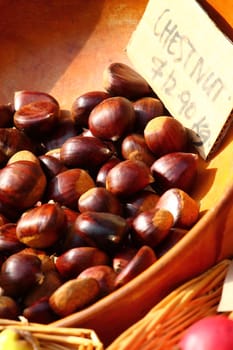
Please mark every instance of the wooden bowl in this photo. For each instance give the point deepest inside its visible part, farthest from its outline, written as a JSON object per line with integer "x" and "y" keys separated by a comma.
{"x": 62, "y": 47}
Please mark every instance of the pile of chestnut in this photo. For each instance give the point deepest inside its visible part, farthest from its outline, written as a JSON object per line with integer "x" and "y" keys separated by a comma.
{"x": 91, "y": 197}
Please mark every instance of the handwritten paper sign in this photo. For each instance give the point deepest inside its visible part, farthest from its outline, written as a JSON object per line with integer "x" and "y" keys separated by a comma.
{"x": 226, "y": 301}
{"x": 188, "y": 62}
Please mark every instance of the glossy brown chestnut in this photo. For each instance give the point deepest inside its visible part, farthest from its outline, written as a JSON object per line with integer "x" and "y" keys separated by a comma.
{"x": 22, "y": 184}
{"x": 71, "y": 216}
{"x": 3, "y": 220}
{"x": 165, "y": 134}
{"x": 104, "y": 169}
{"x": 42, "y": 226}
{"x": 104, "y": 275}
{"x": 54, "y": 152}
{"x": 84, "y": 152}
{"x": 142, "y": 201}
{"x": 120, "y": 79}
{"x": 72, "y": 262}
{"x": 112, "y": 118}
{"x": 128, "y": 177}
{"x": 37, "y": 118}
{"x": 51, "y": 165}
{"x": 6, "y": 115}
{"x": 83, "y": 105}
{"x": 177, "y": 169}
{"x": 101, "y": 200}
{"x": 24, "y": 97}
{"x": 134, "y": 147}
{"x": 9, "y": 309}
{"x": 122, "y": 257}
{"x": 40, "y": 312}
{"x": 74, "y": 295}
{"x": 146, "y": 108}
{"x": 51, "y": 281}
{"x": 19, "y": 273}
{"x": 144, "y": 258}
{"x": 152, "y": 226}
{"x": 9, "y": 243}
{"x": 109, "y": 143}
{"x": 103, "y": 230}
{"x": 13, "y": 140}
{"x": 67, "y": 186}
{"x": 71, "y": 240}
{"x": 64, "y": 129}
{"x": 182, "y": 206}
{"x": 24, "y": 155}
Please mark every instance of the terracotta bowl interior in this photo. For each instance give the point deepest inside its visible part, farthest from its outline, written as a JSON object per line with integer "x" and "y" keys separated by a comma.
{"x": 62, "y": 47}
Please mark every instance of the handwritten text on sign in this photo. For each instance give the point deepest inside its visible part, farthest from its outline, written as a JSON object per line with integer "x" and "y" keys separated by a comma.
{"x": 188, "y": 63}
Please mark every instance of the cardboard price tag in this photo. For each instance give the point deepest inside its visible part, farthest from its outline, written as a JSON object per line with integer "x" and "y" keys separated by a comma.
{"x": 226, "y": 301}
{"x": 187, "y": 61}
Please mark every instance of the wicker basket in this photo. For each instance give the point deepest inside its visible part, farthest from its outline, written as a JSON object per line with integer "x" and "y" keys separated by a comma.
{"x": 163, "y": 326}
{"x": 45, "y": 337}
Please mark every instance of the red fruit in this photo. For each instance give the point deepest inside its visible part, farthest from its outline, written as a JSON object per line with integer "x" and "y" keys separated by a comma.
{"x": 209, "y": 333}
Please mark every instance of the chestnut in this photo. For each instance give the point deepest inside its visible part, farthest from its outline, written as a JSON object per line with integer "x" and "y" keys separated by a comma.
{"x": 67, "y": 186}
{"x": 84, "y": 152}
{"x": 122, "y": 257}
{"x": 104, "y": 169}
{"x": 24, "y": 155}
{"x": 40, "y": 312}
{"x": 65, "y": 128}
{"x": 177, "y": 169}
{"x": 51, "y": 281}
{"x": 37, "y": 118}
{"x": 6, "y": 115}
{"x": 99, "y": 199}
{"x": 9, "y": 308}
{"x": 141, "y": 201}
{"x": 3, "y": 220}
{"x": 83, "y": 105}
{"x": 120, "y": 79}
{"x": 73, "y": 240}
{"x": 103, "y": 230}
{"x": 134, "y": 147}
{"x": 22, "y": 184}
{"x": 42, "y": 226}
{"x": 128, "y": 177}
{"x": 165, "y": 134}
{"x": 146, "y": 108}
{"x": 72, "y": 262}
{"x": 152, "y": 226}
{"x": 9, "y": 243}
{"x": 24, "y": 97}
{"x": 184, "y": 209}
{"x": 13, "y": 140}
{"x": 54, "y": 152}
{"x": 74, "y": 295}
{"x": 51, "y": 165}
{"x": 143, "y": 258}
{"x": 104, "y": 275}
{"x": 112, "y": 118}
{"x": 19, "y": 273}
